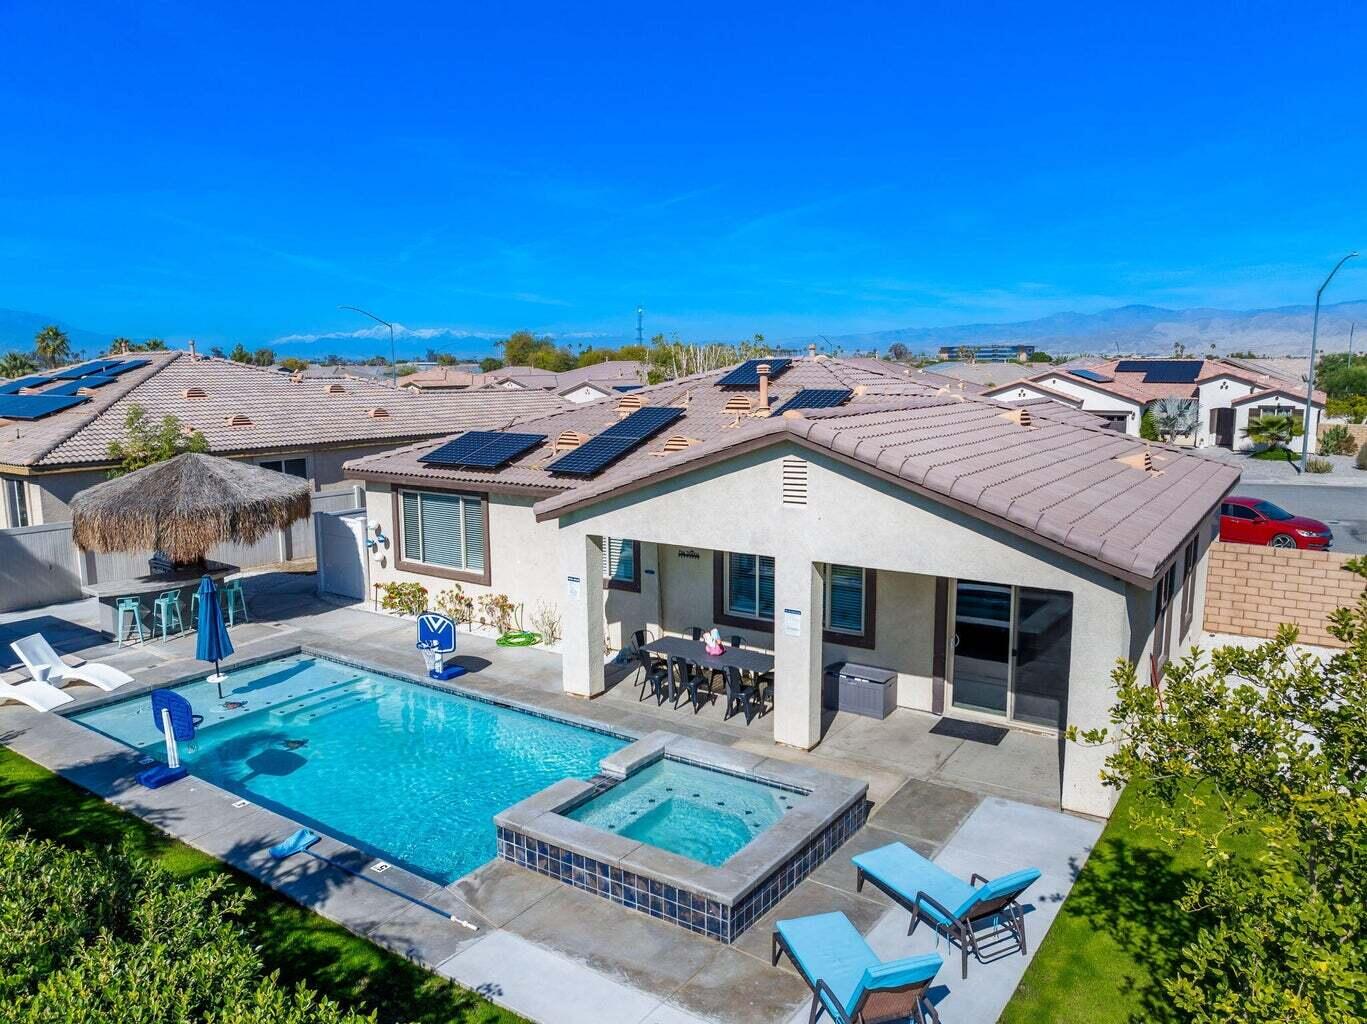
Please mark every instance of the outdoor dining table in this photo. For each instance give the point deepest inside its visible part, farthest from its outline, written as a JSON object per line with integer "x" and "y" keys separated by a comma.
{"x": 756, "y": 662}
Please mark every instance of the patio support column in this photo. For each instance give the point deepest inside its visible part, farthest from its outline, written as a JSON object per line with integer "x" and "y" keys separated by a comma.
{"x": 1102, "y": 631}
{"x": 797, "y": 658}
{"x": 582, "y": 647}
{"x": 650, "y": 588}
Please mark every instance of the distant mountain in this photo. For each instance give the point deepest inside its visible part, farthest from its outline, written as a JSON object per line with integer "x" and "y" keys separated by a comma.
{"x": 1141, "y": 330}
{"x": 18, "y": 327}
{"x": 413, "y": 343}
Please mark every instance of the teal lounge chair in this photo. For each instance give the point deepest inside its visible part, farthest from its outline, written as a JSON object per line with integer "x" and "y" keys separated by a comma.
{"x": 953, "y": 907}
{"x": 848, "y": 980}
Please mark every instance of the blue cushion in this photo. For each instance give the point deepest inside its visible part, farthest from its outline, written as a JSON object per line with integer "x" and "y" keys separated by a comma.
{"x": 914, "y": 970}
{"x": 827, "y": 947}
{"x": 1007, "y": 885}
{"x": 904, "y": 871}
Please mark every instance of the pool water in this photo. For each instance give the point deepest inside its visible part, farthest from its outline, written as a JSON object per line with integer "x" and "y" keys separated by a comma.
{"x": 698, "y": 813}
{"x": 408, "y": 773}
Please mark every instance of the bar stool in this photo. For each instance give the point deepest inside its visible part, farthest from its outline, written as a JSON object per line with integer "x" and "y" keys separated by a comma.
{"x": 166, "y": 613}
{"x": 234, "y": 598}
{"x": 132, "y": 607}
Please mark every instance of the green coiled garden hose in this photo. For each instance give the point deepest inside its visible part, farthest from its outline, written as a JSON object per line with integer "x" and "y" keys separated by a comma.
{"x": 518, "y": 638}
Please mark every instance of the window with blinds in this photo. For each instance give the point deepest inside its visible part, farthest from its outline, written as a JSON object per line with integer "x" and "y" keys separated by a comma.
{"x": 749, "y": 585}
{"x": 443, "y": 529}
{"x": 619, "y": 560}
{"x": 845, "y": 599}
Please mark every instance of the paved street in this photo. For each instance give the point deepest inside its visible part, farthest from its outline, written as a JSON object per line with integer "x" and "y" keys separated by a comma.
{"x": 1343, "y": 508}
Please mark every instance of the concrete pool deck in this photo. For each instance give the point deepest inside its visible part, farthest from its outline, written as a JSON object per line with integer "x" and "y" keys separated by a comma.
{"x": 545, "y": 950}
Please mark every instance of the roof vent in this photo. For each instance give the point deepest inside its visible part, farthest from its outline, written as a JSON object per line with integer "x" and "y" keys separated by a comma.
{"x": 568, "y": 441}
{"x": 297, "y": 376}
{"x": 237, "y": 419}
{"x": 628, "y": 404}
{"x": 1018, "y": 415}
{"x": 194, "y": 393}
{"x": 378, "y": 413}
{"x": 335, "y": 389}
{"x": 676, "y": 443}
{"x": 794, "y": 480}
{"x": 1141, "y": 460}
{"x": 737, "y": 404}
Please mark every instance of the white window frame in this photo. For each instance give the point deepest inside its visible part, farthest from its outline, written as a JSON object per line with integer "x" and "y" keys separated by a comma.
{"x": 17, "y": 512}
{"x": 278, "y": 466}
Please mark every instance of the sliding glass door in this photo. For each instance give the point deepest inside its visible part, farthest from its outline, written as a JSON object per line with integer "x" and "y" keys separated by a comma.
{"x": 1012, "y": 647}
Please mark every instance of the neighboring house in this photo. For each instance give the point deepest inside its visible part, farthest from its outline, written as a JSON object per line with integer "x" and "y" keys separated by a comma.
{"x": 986, "y": 375}
{"x": 1225, "y": 393}
{"x": 999, "y": 560}
{"x": 989, "y": 353}
{"x": 292, "y": 423}
{"x": 583, "y": 384}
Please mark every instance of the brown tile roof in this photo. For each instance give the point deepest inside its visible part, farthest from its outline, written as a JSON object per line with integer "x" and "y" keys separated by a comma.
{"x": 1057, "y": 480}
{"x": 1295, "y": 396}
{"x": 284, "y": 412}
{"x": 1136, "y": 388}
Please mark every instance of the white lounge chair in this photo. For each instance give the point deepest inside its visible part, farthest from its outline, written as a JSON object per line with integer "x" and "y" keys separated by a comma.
{"x": 39, "y": 696}
{"x": 37, "y": 655}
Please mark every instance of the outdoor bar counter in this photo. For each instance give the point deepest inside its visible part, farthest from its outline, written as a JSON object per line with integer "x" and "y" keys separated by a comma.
{"x": 148, "y": 588}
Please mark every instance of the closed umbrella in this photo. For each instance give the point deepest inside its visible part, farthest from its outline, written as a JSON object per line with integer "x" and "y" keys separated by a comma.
{"x": 211, "y": 643}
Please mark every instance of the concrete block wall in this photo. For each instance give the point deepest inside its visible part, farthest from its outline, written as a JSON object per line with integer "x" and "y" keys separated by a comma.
{"x": 1358, "y": 430}
{"x": 1251, "y": 590}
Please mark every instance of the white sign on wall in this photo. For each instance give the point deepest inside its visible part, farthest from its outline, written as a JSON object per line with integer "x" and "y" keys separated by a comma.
{"x": 572, "y": 584}
{"x": 792, "y": 622}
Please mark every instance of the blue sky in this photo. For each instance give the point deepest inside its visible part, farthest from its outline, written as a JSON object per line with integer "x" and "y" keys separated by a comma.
{"x": 236, "y": 171}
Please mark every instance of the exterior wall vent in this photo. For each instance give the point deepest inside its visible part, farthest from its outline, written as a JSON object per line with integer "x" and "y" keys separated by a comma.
{"x": 794, "y": 480}
{"x": 378, "y": 413}
{"x": 568, "y": 441}
{"x": 335, "y": 389}
{"x": 237, "y": 419}
{"x": 676, "y": 443}
{"x": 194, "y": 393}
{"x": 628, "y": 404}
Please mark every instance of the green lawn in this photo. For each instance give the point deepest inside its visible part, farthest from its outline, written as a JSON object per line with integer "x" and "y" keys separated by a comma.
{"x": 298, "y": 943}
{"x": 1119, "y": 931}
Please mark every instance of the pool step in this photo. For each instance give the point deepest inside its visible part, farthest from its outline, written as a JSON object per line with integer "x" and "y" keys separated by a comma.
{"x": 345, "y": 690}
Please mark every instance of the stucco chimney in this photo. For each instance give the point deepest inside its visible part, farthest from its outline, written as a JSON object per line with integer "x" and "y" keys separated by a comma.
{"x": 763, "y": 372}
{"x": 811, "y": 350}
{"x": 193, "y": 357}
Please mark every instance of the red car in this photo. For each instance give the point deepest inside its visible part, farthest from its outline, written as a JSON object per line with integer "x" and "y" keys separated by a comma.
{"x": 1257, "y": 521}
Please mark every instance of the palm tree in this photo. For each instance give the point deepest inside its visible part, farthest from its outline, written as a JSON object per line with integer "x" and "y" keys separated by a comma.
{"x": 1272, "y": 431}
{"x": 16, "y": 364}
{"x": 52, "y": 346}
{"x": 1175, "y": 417}
{"x": 154, "y": 345}
{"x": 120, "y": 345}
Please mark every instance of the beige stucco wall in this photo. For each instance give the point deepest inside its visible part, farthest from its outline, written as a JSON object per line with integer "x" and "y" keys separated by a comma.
{"x": 855, "y": 519}
{"x": 1098, "y": 401}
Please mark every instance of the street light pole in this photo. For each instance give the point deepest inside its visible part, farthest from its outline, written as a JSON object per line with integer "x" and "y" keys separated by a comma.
{"x": 1310, "y": 377}
{"x": 393, "y": 355}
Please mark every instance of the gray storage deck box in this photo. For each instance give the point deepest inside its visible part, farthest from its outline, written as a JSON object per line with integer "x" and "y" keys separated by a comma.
{"x": 860, "y": 689}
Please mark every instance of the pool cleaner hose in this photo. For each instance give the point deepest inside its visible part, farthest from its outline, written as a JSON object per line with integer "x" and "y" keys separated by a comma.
{"x": 518, "y": 638}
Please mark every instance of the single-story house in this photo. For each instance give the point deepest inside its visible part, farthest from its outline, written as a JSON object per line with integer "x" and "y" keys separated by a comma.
{"x": 1121, "y": 390}
{"x": 56, "y": 431}
{"x": 582, "y": 384}
{"x": 997, "y": 559}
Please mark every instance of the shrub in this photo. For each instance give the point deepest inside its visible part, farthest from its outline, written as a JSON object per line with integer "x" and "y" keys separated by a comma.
{"x": 1337, "y": 440}
{"x": 1148, "y": 427}
{"x": 93, "y": 936}
{"x": 1362, "y": 456}
{"x": 546, "y": 621}
{"x": 498, "y": 610}
{"x": 1318, "y": 466}
{"x": 404, "y": 598}
{"x": 456, "y": 605}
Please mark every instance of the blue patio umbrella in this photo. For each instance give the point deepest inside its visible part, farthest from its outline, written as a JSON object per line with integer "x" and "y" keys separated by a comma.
{"x": 211, "y": 642}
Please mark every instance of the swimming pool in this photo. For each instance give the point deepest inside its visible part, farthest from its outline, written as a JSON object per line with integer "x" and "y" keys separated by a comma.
{"x": 696, "y": 812}
{"x": 406, "y": 772}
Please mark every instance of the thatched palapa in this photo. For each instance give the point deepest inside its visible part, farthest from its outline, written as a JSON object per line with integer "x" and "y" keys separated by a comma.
{"x": 186, "y": 505}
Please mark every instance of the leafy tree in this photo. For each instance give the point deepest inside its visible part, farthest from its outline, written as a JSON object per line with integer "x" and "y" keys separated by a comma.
{"x": 405, "y": 370}
{"x": 441, "y": 358}
{"x": 52, "y": 346}
{"x": 294, "y": 365}
{"x": 153, "y": 345}
{"x": 1341, "y": 377}
{"x": 897, "y": 351}
{"x": 489, "y": 364}
{"x": 1148, "y": 426}
{"x": 1262, "y": 749}
{"x": 523, "y": 348}
{"x": 16, "y": 364}
{"x": 263, "y": 357}
{"x": 216, "y": 351}
{"x": 1273, "y": 430}
{"x": 239, "y": 354}
{"x": 1041, "y": 357}
{"x": 1246, "y": 354}
{"x": 377, "y": 361}
{"x": 121, "y": 344}
{"x": 1175, "y": 417}
{"x": 674, "y": 358}
{"x": 146, "y": 442}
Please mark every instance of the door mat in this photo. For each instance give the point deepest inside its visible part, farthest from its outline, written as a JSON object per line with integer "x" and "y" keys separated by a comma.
{"x": 974, "y": 732}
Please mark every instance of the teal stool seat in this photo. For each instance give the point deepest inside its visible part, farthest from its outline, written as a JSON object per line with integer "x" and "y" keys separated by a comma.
{"x": 131, "y": 608}
{"x": 233, "y": 599}
{"x": 166, "y": 613}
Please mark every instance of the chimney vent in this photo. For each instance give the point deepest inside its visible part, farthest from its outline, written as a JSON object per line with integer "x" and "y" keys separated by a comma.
{"x": 193, "y": 354}
{"x": 762, "y": 370}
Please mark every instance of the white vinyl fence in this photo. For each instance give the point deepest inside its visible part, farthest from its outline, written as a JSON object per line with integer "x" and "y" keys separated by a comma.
{"x": 41, "y": 565}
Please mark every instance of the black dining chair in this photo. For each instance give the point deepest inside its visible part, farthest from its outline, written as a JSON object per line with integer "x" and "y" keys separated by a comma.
{"x": 696, "y": 632}
{"x": 737, "y": 642}
{"x": 739, "y": 697}
{"x": 693, "y": 681}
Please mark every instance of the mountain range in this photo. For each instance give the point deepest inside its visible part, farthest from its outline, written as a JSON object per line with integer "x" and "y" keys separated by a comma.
{"x": 1127, "y": 330}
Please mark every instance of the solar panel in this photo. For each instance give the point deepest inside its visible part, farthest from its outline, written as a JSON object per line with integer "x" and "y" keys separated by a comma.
{"x": 85, "y": 369}
{"x": 602, "y": 451}
{"x": 14, "y": 386}
{"x": 115, "y": 368}
{"x": 35, "y": 407}
{"x": 70, "y": 387}
{"x": 815, "y": 398}
{"x": 482, "y": 449}
{"x": 1100, "y": 378}
{"x": 746, "y": 375}
{"x": 1162, "y": 371}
